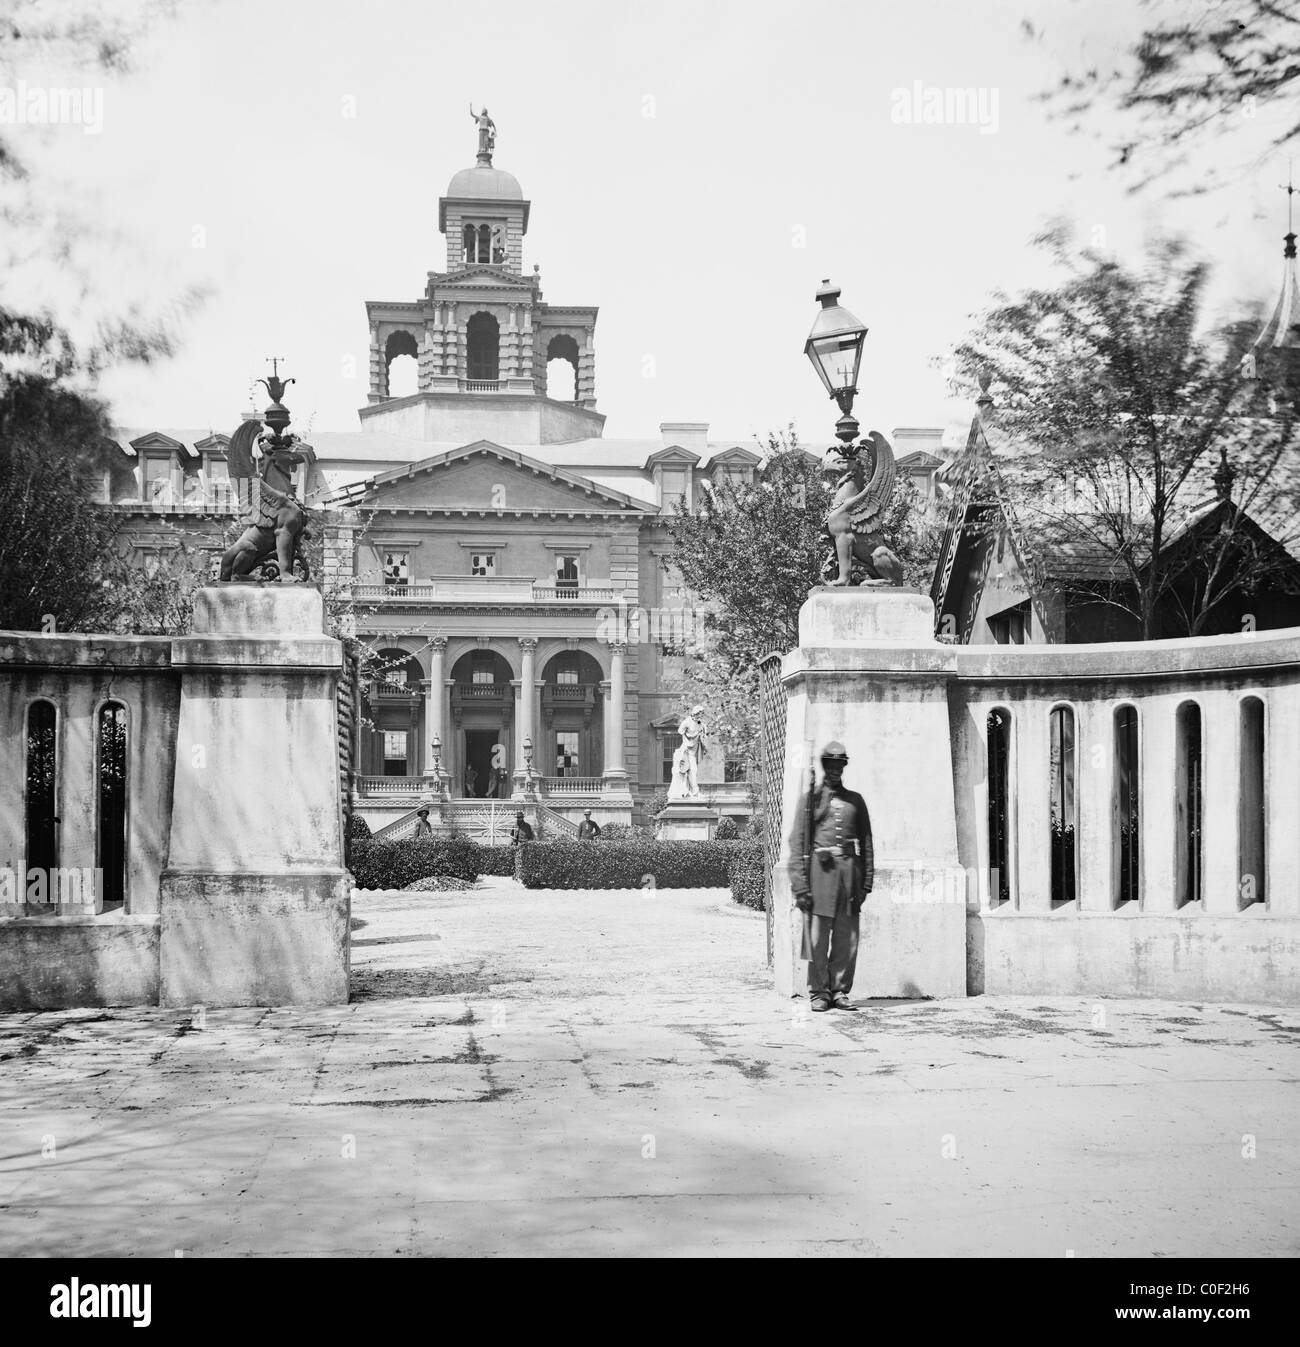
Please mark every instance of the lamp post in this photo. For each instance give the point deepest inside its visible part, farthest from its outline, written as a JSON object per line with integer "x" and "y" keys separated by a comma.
{"x": 834, "y": 347}
{"x": 528, "y": 768}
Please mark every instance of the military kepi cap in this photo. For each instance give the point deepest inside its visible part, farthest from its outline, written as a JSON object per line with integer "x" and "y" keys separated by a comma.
{"x": 835, "y": 751}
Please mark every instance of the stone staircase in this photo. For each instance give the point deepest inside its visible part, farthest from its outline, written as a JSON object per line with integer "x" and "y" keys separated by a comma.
{"x": 485, "y": 821}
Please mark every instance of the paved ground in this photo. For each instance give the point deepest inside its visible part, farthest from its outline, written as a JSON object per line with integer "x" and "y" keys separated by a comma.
{"x": 609, "y": 1073}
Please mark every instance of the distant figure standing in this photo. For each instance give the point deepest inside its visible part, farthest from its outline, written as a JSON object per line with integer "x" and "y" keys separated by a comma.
{"x": 471, "y": 779}
{"x": 588, "y": 829}
{"x": 423, "y": 828}
{"x": 522, "y": 831}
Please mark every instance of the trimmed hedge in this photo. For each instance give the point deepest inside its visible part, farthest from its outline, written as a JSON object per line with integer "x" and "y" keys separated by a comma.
{"x": 496, "y": 860}
{"x": 394, "y": 865}
{"x": 358, "y": 828}
{"x": 625, "y": 864}
{"x": 746, "y": 875}
{"x": 726, "y": 830}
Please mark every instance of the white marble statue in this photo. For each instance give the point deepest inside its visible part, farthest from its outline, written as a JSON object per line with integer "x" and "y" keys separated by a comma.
{"x": 685, "y": 784}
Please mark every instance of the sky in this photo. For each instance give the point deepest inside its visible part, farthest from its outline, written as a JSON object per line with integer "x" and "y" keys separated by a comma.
{"x": 695, "y": 169}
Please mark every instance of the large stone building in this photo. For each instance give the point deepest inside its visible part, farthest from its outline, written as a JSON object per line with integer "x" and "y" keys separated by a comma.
{"x": 506, "y": 560}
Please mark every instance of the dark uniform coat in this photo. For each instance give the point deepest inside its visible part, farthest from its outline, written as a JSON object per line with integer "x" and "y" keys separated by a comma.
{"x": 833, "y": 820}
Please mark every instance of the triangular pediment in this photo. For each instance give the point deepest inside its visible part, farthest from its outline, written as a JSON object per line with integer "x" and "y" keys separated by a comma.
{"x": 478, "y": 278}
{"x": 487, "y": 478}
{"x": 674, "y": 454}
{"x": 156, "y": 441}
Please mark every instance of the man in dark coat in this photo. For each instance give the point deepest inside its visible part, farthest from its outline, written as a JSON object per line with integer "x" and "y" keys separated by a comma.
{"x": 522, "y": 831}
{"x": 588, "y": 829}
{"x": 832, "y": 869}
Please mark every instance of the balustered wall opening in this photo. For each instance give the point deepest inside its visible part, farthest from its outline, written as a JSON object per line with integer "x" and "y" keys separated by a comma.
{"x": 111, "y": 785}
{"x": 1126, "y": 835}
{"x": 1251, "y": 854}
{"x": 42, "y": 786}
{"x": 1064, "y": 805}
{"x": 998, "y": 750}
{"x": 1188, "y": 805}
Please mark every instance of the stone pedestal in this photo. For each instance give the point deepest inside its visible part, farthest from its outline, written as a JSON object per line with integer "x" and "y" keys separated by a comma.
{"x": 900, "y": 760}
{"x": 254, "y": 898}
{"x": 687, "y": 821}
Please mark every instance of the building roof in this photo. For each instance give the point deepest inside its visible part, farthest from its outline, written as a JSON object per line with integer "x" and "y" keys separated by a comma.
{"x": 1282, "y": 331}
{"x": 482, "y": 180}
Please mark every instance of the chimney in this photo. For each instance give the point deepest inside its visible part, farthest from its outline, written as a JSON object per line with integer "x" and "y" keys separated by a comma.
{"x": 692, "y": 435}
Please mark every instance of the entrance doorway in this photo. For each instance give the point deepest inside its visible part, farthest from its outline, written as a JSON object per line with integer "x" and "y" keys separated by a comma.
{"x": 479, "y": 767}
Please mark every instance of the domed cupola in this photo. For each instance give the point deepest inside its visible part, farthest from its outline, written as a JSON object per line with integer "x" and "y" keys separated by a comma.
{"x": 484, "y": 214}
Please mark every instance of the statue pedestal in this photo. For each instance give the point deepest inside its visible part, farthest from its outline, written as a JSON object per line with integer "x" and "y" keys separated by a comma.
{"x": 687, "y": 821}
{"x": 254, "y": 899}
{"x": 900, "y": 760}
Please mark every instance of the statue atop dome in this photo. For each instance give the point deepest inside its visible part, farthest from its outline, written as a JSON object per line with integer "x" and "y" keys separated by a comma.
{"x": 487, "y": 135}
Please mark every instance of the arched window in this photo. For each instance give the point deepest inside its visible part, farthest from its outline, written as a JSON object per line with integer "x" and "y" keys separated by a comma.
{"x": 1188, "y": 856}
{"x": 42, "y": 788}
{"x": 998, "y": 737}
{"x": 401, "y": 360}
{"x": 482, "y": 340}
{"x": 562, "y": 369}
{"x": 1064, "y": 816}
{"x": 1251, "y": 862}
{"x": 484, "y": 243}
{"x": 1126, "y": 884}
{"x": 469, "y": 248}
{"x": 111, "y": 760}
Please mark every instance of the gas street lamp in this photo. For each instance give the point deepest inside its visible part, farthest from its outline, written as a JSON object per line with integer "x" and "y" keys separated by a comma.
{"x": 834, "y": 347}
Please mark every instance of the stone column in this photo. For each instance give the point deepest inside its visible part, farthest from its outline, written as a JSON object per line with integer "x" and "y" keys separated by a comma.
{"x": 1095, "y": 794}
{"x": 527, "y": 701}
{"x": 1031, "y": 829}
{"x": 1220, "y": 791}
{"x": 852, "y": 642}
{"x": 615, "y": 774}
{"x": 434, "y": 691}
{"x": 1157, "y": 819}
{"x": 254, "y": 900}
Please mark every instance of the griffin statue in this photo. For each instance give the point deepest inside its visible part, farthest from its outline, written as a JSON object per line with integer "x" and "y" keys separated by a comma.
{"x": 856, "y": 512}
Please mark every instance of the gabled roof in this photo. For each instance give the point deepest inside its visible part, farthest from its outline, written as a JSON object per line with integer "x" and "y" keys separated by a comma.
{"x": 922, "y": 458}
{"x": 607, "y": 496}
{"x": 156, "y": 439}
{"x": 673, "y": 453}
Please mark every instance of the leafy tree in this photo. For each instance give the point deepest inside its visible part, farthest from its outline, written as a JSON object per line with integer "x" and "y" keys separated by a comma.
{"x": 65, "y": 560}
{"x": 1115, "y": 410}
{"x": 750, "y": 554}
{"x": 1190, "y": 77}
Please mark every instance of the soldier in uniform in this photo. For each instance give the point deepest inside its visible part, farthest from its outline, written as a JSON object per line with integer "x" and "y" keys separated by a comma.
{"x": 832, "y": 869}
{"x": 588, "y": 829}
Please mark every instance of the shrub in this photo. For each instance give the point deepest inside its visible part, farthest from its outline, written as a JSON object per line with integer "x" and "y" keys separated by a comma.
{"x": 746, "y": 875}
{"x": 617, "y": 832}
{"x": 499, "y": 860}
{"x": 438, "y": 884}
{"x": 358, "y": 828}
{"x": 726, "y": 831}
{"x": 624, "y": 864}
{"x": 394, "y": 865}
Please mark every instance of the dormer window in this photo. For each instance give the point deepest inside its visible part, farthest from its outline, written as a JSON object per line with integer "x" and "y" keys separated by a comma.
{"x": 158, "y": 482}
{"x": 675, "y": 481}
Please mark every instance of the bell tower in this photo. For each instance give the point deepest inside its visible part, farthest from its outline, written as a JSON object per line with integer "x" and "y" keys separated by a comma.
{"x": 481, "y": 334}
